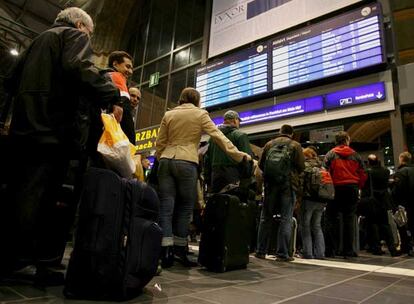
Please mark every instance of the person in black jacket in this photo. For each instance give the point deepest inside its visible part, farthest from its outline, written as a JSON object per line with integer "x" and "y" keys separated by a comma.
{"x": 120, "y": 64}
{"x": 280, "y": 195}
{"x": 403, "y": 193}
{"x": 47, "y": 83}
{"x": 377, "y": 217}
{"x": 118, "y": 71}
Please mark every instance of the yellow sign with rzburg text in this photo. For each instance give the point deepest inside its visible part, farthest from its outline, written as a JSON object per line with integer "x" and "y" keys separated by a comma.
{"x": 145, "y": 138}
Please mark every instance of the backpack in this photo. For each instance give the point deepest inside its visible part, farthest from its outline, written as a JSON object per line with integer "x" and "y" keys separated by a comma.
{"x": 318, "y": 184}
{"x": 278, "y": 163}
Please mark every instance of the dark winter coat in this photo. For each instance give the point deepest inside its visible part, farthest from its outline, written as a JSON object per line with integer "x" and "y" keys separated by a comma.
{"x": 403, "y": 191}
{"x": 297, "y": 158}
{"x": 215, "y": 157}
{"x": 48, "y": 81}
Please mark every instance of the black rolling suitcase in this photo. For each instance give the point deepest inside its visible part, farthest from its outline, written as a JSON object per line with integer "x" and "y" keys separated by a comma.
{"x": 225, "y": 237}
{"x": 117, "y": 242}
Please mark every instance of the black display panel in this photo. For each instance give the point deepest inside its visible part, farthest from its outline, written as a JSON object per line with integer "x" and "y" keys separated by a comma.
{"x": 348, "y": 42}
{"x": 243, "y": 74}
{"x": 338, "y": 45}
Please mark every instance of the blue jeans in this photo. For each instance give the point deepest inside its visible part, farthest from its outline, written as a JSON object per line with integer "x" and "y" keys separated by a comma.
{"x": 178, "y": 194}
{"x": 310, "y": 228}
{"x": 279, "y": 200}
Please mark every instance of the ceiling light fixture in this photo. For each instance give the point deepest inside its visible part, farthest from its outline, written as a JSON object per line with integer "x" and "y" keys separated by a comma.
{"x": 14, "y": 52}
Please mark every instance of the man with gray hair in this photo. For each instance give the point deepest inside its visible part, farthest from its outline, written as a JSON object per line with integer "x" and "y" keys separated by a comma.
{"x": 47, "y": 82}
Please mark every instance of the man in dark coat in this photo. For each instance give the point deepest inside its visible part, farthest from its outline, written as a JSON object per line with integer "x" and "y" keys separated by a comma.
{"x": 377, "y": 209}
{"x": 220, "y": 170}
{"x": 280, "y": 196}
{"x": 403, "y": 193}
{"x": 47, "y": 83}
{"x": 119, "y": 70}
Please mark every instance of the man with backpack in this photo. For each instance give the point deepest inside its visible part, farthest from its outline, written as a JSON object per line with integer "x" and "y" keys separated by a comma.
{"x": 219, "y": 169}
{"x": 348, "y": 175}
{"x": 282, "y": 161}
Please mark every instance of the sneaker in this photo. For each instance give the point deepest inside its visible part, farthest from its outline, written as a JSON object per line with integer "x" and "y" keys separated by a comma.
{"x": 260, "y": 255}
{"x": 284, "y": 259}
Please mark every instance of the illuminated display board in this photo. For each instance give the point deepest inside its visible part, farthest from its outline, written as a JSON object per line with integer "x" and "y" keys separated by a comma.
{"x": 348, "y": 42}
{"x": 241, "y": 75}
{"x": 374, "y": 92}
{"x": 281, "y": 110}
{"x": 342, "y": 44}
{"x": 354, "y": 96}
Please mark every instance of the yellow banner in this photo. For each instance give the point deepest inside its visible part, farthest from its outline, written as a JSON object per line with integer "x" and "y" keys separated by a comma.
{"x": 145, "y": 138}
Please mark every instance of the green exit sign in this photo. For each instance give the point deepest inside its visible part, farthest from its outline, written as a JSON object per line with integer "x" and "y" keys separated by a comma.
{"x": 154, "y": 79}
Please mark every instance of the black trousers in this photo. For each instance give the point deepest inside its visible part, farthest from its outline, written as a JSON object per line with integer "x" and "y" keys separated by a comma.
{"x": 30, "y": 201}
{"x": 345, "y": 203}
{"x": 379, "y": 229}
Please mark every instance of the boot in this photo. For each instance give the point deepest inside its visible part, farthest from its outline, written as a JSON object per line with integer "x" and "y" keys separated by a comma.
{"x": 167, "y": 256}
{"x": 180, "y": 253}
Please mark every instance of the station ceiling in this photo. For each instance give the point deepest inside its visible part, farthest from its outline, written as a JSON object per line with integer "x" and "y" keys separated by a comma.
{"x": 22, "y": 20}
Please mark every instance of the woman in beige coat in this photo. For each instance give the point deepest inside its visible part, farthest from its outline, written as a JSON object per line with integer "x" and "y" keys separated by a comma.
{"x": 177, "y": 151}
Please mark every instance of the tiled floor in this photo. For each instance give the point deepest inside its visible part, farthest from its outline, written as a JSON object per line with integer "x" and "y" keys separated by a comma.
{"x": 366, "y": 279}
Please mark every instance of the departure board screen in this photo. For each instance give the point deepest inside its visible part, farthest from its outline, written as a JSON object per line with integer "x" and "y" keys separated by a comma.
{"x": 241, "y": 75}
{"x": 345, "y": 43}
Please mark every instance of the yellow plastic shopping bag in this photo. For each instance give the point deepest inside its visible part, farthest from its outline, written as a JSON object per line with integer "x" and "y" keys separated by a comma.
{"x": 115, "y": 147}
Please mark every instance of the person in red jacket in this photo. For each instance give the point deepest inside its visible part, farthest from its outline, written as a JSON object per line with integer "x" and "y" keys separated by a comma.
{"x": 348, "y": 175}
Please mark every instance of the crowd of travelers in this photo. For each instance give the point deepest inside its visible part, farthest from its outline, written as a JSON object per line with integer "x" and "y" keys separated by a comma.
{"x": 58, "y": 95}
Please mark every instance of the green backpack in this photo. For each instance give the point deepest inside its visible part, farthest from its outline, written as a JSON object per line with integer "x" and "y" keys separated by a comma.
{"x": 278, "y": 163}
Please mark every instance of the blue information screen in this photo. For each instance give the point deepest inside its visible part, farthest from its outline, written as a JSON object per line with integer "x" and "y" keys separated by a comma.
{"x": 342, "y": 44}
{"x": 241, "y": 75}
{"x": 371, "y": 93}
{"x": 348, "y": 42}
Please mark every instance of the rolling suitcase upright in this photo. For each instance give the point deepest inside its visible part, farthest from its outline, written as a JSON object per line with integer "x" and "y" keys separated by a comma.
{"x": 272, "y": 242}
{"x": 117, "y": 243}
{"x": 225, "y": 237}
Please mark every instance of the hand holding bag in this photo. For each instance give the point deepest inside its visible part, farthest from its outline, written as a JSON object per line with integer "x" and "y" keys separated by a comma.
{"x": 116, "y": 149}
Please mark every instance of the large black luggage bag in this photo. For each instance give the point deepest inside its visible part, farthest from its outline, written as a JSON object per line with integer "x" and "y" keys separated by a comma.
{"x": 117, "y": 243}
{"x": 225, "y": 236}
